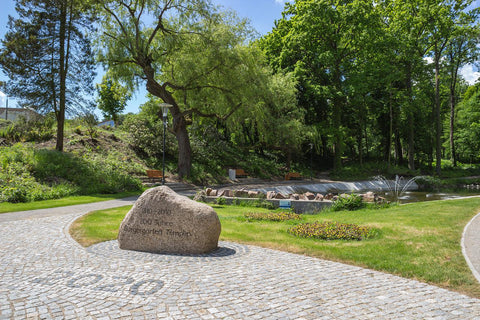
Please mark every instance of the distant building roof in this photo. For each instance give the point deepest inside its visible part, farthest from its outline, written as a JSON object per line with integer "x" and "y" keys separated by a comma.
{"x": 108, "y": 123}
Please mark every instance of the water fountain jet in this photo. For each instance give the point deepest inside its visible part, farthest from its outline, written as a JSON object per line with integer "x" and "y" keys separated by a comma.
{"x": 398, "y": 186}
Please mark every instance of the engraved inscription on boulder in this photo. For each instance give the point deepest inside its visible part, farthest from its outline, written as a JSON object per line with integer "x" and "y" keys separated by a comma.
{"x": 161, "y": 221}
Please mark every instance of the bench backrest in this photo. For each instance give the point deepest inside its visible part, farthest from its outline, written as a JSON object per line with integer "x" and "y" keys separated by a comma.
{"x": 154, "y": 173}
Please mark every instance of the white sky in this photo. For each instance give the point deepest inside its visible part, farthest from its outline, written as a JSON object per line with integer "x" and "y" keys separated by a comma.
{"x": 3, "y": 99}
{"x": 470, "y": 74}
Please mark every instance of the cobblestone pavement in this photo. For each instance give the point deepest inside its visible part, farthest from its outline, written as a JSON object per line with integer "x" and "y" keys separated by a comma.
{"x": 44, "y": 274}
{"x": 471, "y": 245}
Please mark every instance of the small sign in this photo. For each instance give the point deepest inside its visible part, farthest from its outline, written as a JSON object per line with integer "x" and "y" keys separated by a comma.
{"x": 285, "y": 204}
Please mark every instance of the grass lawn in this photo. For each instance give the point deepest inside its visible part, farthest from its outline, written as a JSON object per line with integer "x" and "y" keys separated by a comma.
{"x": 418, "y": 241}
{"x": 67, "y": 201}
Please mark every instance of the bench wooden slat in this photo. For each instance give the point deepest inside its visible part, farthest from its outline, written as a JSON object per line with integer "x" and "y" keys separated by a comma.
{"x": 154, "y": 174}
{"x": 293, "y": 176}
{"x": 240, "y": 173}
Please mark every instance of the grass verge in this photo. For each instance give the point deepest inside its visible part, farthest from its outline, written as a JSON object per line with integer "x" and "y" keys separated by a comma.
{"x": 67, "y": 201}
{"x": 417, "y": 241}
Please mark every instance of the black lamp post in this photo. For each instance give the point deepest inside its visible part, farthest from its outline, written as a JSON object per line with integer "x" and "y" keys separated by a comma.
{"x": 165, "y": 107}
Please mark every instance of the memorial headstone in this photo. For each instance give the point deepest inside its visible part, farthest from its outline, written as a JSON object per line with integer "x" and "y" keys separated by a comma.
{"x": 162, "y": 221}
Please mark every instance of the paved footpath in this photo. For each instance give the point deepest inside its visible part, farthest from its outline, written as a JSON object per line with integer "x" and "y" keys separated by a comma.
{"x": 44, "y": 274}
{"x": 471, "y": 245}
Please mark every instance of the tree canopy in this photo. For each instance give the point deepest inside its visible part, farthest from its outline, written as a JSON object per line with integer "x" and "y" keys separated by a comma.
{"x": 364, "y": 76}
{"x": 112, "y": 98}
{"x": 48, "y": 58}
{"x": 192, "y": 56}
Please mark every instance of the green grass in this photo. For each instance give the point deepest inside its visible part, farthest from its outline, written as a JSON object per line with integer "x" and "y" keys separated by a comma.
{"x": 418, "y": 241}
{"x": 98, "y": 226}
{"x": 67, "y": 201}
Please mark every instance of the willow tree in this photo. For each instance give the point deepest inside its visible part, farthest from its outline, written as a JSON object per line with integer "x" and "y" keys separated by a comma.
{"x": 190, "y": 56}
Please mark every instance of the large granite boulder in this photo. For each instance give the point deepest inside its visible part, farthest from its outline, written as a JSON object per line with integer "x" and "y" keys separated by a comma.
{"x": 161, "y": 221}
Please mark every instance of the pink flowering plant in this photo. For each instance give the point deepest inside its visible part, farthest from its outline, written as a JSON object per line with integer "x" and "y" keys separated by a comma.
{"x": 332, "y": 230}
{"x": 272, "y": 216}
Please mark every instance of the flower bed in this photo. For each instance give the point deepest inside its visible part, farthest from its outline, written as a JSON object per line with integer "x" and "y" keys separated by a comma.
{"x": 332, "y": 231}
{"x": 272, "y": 216}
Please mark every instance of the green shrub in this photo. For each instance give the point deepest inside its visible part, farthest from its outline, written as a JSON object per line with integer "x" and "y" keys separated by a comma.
{"x": 27, "y": 174}
{"x": 37, "y": 130}
{"x": 348, "y": 202}
{"x": 145, "y": 137}
{"x": 272, "y": 216}
{"x": 332, "y": 231}
{"x": 262, "y": 203}
{"x": 221, "y": 201}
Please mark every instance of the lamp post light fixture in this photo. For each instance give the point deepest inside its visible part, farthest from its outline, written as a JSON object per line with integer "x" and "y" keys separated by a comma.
{"x": 165, "y": 107}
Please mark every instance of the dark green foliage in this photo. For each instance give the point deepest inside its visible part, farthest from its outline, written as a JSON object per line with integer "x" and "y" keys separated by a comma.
{"x": 145, "y": 137}
{"x": 29, "y": 175}
{"x": 262, "y": 203}
{"x": 468, "y": 129}
{"x": 365, "y": 171}
{"x": 39, "y": 129}
{"x": 332, "y": 231}
{"x": 221, "y": 201}
{"x": 272, "y": 216}
{"x": 348, "y": 202}
{"x": 206, "y": 169}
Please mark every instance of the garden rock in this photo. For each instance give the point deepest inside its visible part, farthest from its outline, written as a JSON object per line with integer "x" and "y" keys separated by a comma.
{"x": 310, "y": 196}
{"x": 329, "y": 196}
{"x": 253, "y": 194}
{"x": 319, "y": 197}
{"x": 229, "y": 193}
{"x": 271, "y": 195}
{"x": 241, "y": 193}
{"x": 369, "y": 197}
{"x": 200, "y": 196}
{"x": 280, "y": 196}
{"x": 161, "y": 221}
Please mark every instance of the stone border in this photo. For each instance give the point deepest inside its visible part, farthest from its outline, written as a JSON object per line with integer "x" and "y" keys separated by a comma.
{"x": 298, "y": 206}
{"x": 464, "y": 250}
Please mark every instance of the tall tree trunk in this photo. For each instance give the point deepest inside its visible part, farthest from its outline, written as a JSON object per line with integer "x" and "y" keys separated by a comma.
{"x": 397, "y": 139}
{"x": 438, "y": 124}
{"x": 390, "y": 130}
{"x": 63, "y": 76}
{"x": 337, "y": 121}
{"x": 453, "y": 84}
{"x": 452, "y": 126}
{"x": 360, "y": 147}
{"x": 184, "y": 148}
{"x": 179, "y": 123}
{"x": 410, "y": 119}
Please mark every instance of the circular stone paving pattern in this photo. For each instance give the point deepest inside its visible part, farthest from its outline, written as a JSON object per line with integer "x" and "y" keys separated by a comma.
{"x": 225, "y": 251}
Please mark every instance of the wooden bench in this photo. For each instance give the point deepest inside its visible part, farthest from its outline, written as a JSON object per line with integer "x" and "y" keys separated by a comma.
{"x": 239, "y": 173}
{"x": 154, "y": 174}
{"x": 293, "y": 176}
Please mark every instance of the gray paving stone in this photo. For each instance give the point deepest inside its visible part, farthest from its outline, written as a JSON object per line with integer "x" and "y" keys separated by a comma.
{"x": 46, "y": 275}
